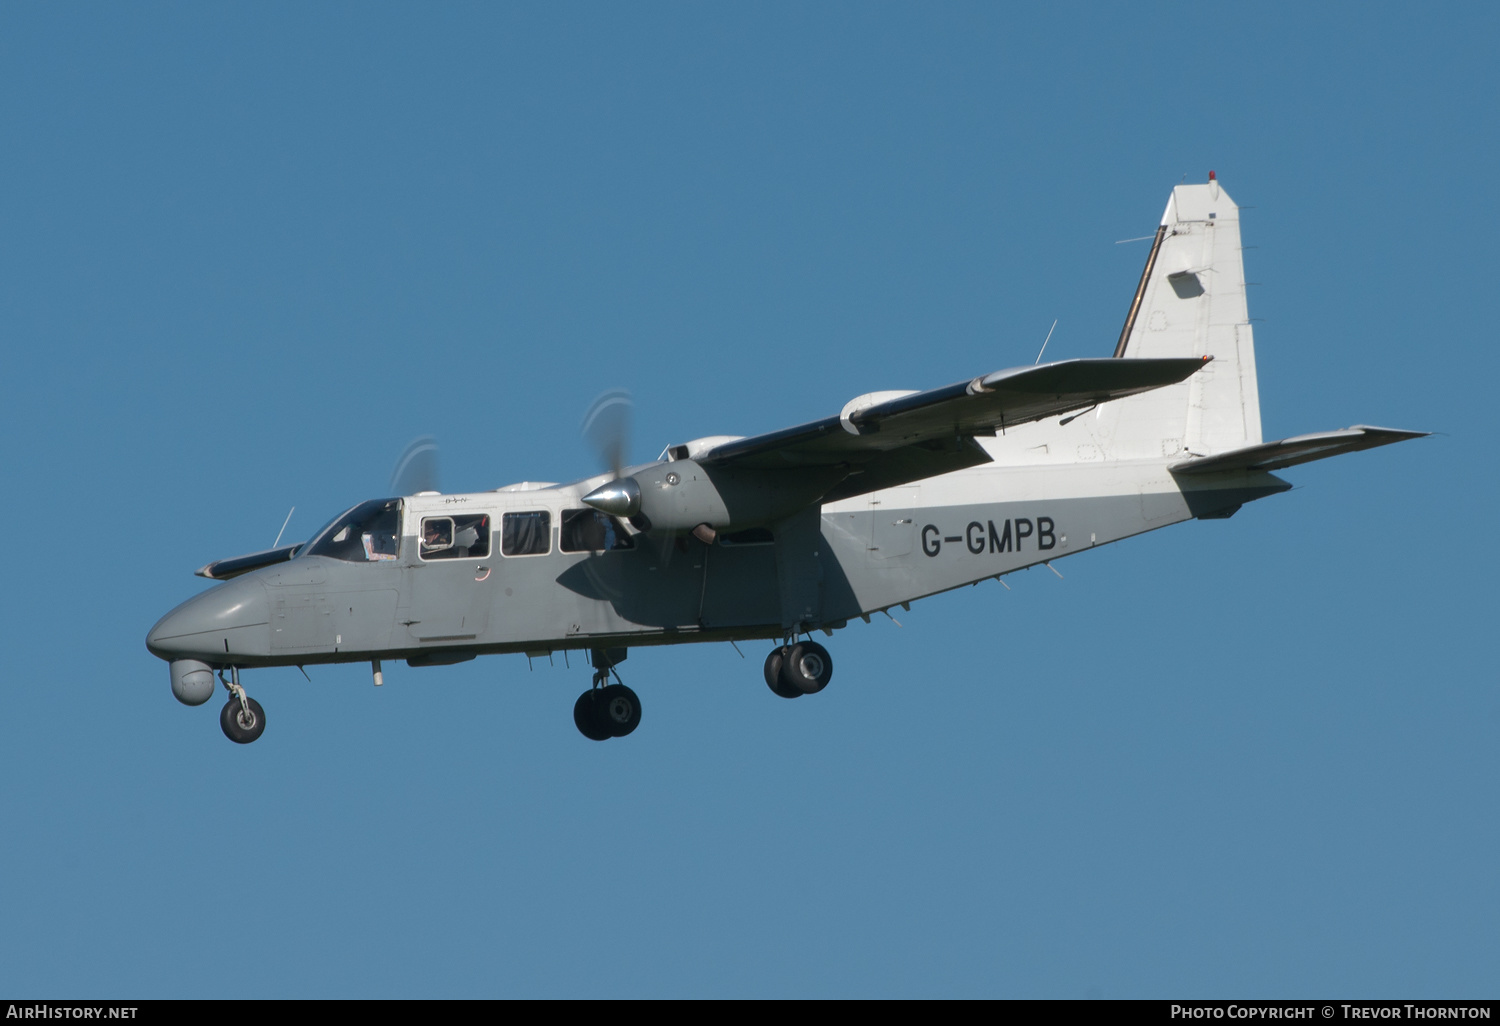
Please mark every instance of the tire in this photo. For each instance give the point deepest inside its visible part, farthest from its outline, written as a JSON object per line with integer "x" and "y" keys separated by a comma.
{"x": 586, "y": 716}
{"x": 237, "y": 731}
{"x": 773, "y": 675}
{"x": 620, "y": 710}
{"x": 807, "y": 667}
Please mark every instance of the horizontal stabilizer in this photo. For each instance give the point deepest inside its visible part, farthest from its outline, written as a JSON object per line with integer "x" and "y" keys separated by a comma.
{"x": 1291, "y": 451}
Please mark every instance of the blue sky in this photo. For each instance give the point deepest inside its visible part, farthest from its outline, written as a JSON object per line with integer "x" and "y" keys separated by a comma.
{"x": 248, "y": 251}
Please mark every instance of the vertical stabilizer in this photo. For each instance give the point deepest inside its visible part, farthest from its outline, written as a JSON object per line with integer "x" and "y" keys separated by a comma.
{"x": 1190, "y": 302}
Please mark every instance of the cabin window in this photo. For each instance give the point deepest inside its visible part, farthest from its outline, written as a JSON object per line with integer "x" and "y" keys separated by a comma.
{"x": 526, "y": 534}
{"x": 368, "y": 533}
{"x": 588, "y": 530}
{"x": 457, "y": 537}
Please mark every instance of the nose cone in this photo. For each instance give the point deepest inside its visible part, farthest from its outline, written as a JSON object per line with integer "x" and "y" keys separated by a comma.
{"x": 230, "y": 620}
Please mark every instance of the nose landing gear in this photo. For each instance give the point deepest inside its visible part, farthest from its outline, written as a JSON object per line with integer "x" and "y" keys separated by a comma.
{"x": 606, "y": 710}
{"x": 242, "y": 718}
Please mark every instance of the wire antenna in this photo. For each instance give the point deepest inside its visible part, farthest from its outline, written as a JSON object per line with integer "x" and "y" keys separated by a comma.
{"x": 288, "y": 520}
{"x": 1042, "y": 350}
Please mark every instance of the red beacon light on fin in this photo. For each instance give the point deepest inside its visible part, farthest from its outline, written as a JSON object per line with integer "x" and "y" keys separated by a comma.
{"x": 1212, "y": 176}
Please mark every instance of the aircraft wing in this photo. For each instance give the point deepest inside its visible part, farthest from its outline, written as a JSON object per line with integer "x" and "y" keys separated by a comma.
{"x": 224, "y": 569}
{"x": 1291, "y": 451}
{"x": 922, "y": 434}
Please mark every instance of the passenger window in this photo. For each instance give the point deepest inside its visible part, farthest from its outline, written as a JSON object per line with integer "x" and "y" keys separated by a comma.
{"x": 526, "y": 534}
{"x": 459, "y": 537}
{"x": 588, "y": 530}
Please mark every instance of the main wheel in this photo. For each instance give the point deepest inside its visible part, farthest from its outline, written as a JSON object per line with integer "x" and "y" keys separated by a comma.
{"x": 622, "y": 710}
{"x": 239, "y": 727}
{"x": 773, "y": 674}
{"x": 807, "y": 667}
{"x": 588, "y": 716}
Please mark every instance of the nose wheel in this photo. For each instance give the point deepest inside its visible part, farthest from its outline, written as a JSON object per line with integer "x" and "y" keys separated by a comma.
{"x": 606, "y": 710}
{"x": 242, "y": 719}
{"x": 242, "y": 723}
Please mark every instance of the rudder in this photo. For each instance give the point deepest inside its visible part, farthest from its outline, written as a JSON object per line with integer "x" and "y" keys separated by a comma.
{"x": 1190, "y": 303}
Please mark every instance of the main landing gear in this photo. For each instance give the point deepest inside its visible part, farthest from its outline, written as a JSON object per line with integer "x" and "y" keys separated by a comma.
{"x": 242, "y": 718}
{"x": 798, "y": 668}
{"x": 606, "y": 710}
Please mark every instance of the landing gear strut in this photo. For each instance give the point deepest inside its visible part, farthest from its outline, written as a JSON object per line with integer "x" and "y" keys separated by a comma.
{"x": 606, "y": 710}
{"x": 242, "y": 718}
{"x": 798, "y": 668}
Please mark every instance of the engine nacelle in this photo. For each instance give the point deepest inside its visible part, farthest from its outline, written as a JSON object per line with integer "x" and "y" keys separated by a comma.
{"x": 682, "y": 494}
{"x": 192, "y": 681}
{"x": 861, "y": 403}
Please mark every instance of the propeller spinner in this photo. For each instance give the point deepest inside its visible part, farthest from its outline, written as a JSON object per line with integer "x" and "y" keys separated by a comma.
{"x": 606, "y": 427}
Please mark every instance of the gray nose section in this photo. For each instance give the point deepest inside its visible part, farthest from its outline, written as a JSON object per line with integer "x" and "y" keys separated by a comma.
{"x": 230, "y": 620}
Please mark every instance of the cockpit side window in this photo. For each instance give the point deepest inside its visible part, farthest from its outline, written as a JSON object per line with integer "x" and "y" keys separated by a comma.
{"x": 368, "y": 533}
{"x": 588, "y": 530}
{"x": 458, "y": 537}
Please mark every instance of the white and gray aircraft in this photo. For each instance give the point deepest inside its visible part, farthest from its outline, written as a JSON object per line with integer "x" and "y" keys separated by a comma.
{"x": 899, "y": 496}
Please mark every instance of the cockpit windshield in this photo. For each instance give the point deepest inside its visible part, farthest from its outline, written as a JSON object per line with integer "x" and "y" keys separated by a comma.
{"x": 368, "y": 533}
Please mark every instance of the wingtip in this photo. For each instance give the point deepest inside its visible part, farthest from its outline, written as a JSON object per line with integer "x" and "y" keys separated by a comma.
{"x": 1401, "y": 433}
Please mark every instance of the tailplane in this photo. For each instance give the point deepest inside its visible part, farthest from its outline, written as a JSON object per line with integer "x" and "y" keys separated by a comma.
{"x": 1291, "y": 451}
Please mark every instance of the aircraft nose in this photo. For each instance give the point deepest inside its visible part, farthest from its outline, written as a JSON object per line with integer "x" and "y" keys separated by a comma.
{"x": 231, "y": 619}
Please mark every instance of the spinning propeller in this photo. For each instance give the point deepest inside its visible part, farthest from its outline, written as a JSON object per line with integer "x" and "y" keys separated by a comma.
{"x": 606, "y": 427}
{"x": 417, "y": 468}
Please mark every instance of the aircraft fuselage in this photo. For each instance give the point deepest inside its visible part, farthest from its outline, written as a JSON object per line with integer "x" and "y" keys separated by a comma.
{"x": 866, "y": 554}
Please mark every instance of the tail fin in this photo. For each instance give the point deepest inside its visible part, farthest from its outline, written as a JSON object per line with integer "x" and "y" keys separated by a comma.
{"x": 1190, "y": 303}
